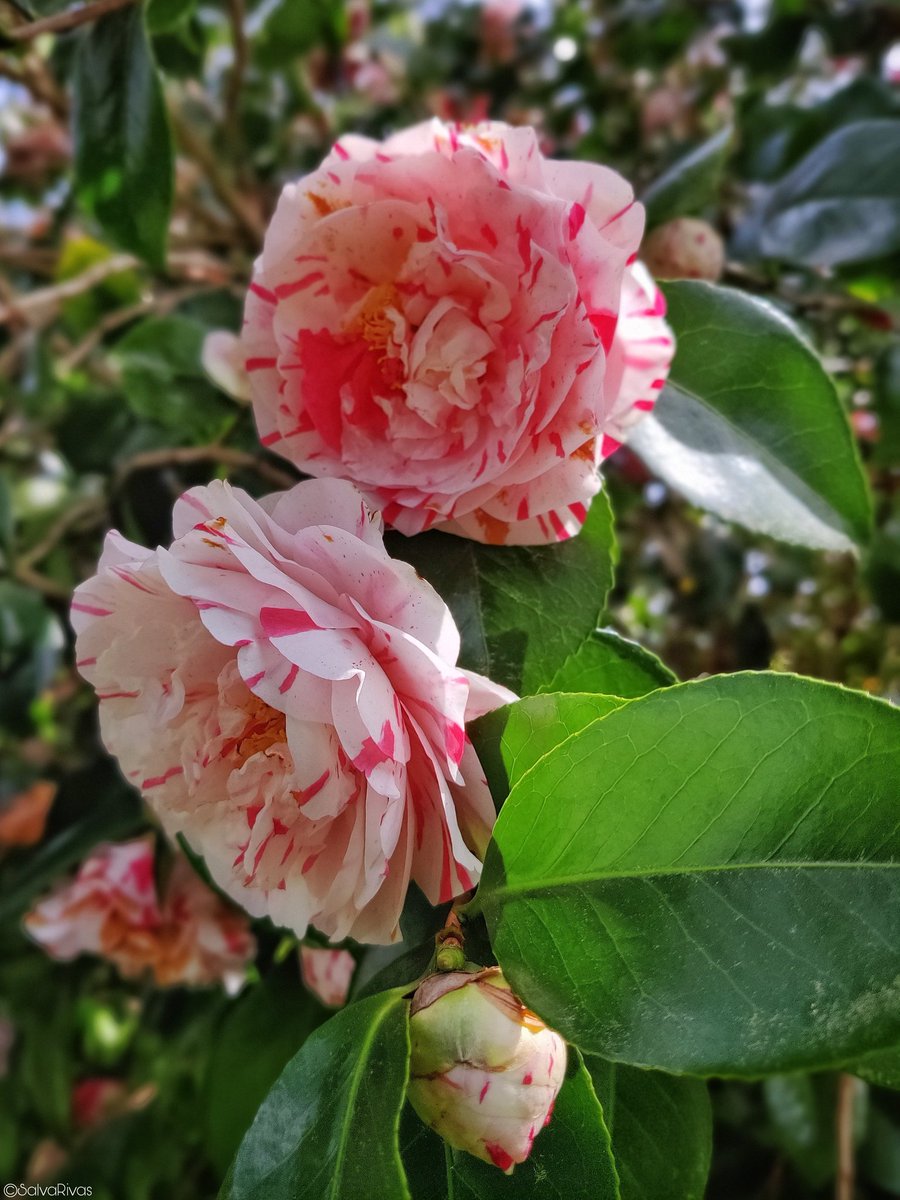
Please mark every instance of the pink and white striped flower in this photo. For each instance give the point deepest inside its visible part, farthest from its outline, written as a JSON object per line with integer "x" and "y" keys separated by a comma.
{"x": 327, "y": 973}
{"x": 458, "y": 325}
{"x": 286, "y": 695}
{"x": 185, "y": 936}
{"x": 485, "y": 1071}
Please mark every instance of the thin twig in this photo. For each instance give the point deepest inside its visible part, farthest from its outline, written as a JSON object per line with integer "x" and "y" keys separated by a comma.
{"x": 39, "y": 307}
{"x": 159, "y": 305}
{"x": 237, "y": 17}
{"x": 183, "y": 455}
{"x": 245, "y": 215}
{"x": 40, "y": 583}
{"x": 844, "y": 1186}
{"x": 89, "y": 506}
{"x": 62, "y": 22}
{"x": 31, "y": 72}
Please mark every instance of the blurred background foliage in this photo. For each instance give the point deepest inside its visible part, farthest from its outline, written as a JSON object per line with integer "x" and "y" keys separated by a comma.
{"x": 140, "y": 157}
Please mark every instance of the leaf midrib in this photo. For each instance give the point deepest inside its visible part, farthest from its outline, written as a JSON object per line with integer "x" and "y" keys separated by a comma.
{"x": 355, "y": 1083}
{"x": 560, "y": 882}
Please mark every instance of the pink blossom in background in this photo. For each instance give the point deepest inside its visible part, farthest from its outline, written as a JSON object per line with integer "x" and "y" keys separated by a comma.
{"x": 327, "y": 973}
{"x": 445, "y": 318}
{"x": 286, "y": 695}
{"x": 111, "y": 908}
{"x": 96, "y": 1100}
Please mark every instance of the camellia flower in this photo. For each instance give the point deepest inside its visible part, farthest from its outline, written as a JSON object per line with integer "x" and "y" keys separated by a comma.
{"x": 327, "y": 973}
{"x": 458, "y": 325}
{"x": 111, "y": 908}
{"x": 96, "y": 1100}
{"x": 286, "y": 695}
{"x": 484, "y": 1070}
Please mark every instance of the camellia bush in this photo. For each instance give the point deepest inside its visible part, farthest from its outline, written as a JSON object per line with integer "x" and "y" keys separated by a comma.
{"x": 362, "y": 366}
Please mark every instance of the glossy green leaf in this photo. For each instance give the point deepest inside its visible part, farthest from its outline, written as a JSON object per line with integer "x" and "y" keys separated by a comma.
{"x": 614, "y": 665}
{"x": 749, "y": 425}
{"x": 661, "y": 1127}
{"x": 498, "y": 596}
{"x": 511, "y": 739}
{"x": 690, "y": 183}
{"x": 705, "y": 880}
{"x": 263, "y": 1030}
{"x": 881, "y": 1068}
{"x": 123, "y": 149}
{"x": 328, "y": 1128}
{"x": 573, "y": 1149}
{"x": 839, "y": 204}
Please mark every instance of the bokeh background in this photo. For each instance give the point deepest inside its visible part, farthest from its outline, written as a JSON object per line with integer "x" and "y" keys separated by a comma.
{"x": 106, "y": 415}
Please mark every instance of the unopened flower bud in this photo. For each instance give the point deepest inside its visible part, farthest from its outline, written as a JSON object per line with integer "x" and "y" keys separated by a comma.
{"x": 485, "y": 1071}
{"x": 685, "y": 248}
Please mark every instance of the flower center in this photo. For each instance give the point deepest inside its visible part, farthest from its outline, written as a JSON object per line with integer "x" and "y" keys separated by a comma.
{"x": 264, "y": 728}
{"x": 371, "y": 319}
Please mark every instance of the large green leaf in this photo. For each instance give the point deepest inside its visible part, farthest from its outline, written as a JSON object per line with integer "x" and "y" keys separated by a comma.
{"x": 690, "y": 182}
{"x": 609, "y": 663}
{"x": 749, "y": 425}
{"x": 511, "y": 739}
{"x": 123, "y": 150}
{"x": 260, "y": 1034}
{"x": 839, "y": 204}
{"x": 572, "y": 1150}
{"x": 328, "y": 1128}
{"x": 511, "y": 631}
{"x": 705, "y": 880}
{"x": 661, "y": 1128}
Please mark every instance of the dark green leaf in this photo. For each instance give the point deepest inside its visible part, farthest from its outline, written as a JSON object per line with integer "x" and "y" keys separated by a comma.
{"x": 801, "y": 1108}
{"x": 573, "y": 1149}
{"x": 880, "y": 1153}
{"x": 881, "y": 1068}
{"x": 123, "y": 150}
{"x": 498, "y": 595}
{"x": 705, "y": 880}
{"x": 328, "y": 1128}
{"x": 613, "y": 665}
{"x": 31, "y": 643}
{"x": 261, "y": 1033}
{"x": 164, "y": 381}
{"x": 690, "y": 183}
{"x": 511, "y": 739}
{"x": 839, "y": 204}
{"x": 165, "y": 15}
{"x": 749, "y": 425}
{"x": 661, "y": 1128}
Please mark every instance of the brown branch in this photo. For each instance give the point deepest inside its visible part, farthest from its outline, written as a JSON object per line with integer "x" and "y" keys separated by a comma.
{"x": 244, "y": 214}
{"x": 845, "y": 1181}
{"x": 31, "y": 72}
{"x": 236, "y": 16}
{"x": 88, "y": 506}
{"x": 39, "y": 307}
{"x": 47, "y": 587}
{"x": 184, "y": 455}
{"x": 158, "y": 305}
{"x": 64, "y": 21}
